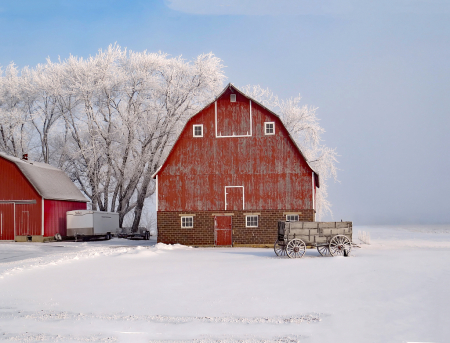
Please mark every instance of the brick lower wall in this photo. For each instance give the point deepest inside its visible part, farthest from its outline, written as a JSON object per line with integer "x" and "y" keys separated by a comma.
{"x": 170, "y": 231}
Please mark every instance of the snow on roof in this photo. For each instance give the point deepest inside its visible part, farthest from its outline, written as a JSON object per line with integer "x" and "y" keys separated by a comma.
{"x": 50, "y": 182}
{"x": 230, "y": 85}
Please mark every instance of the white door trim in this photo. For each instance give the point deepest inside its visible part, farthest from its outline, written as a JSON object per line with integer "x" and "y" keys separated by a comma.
{"x": 243, "y": 195}
{"x": 42, "y": 218}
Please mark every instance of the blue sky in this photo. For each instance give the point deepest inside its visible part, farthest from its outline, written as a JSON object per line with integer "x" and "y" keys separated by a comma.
{"x": 378, "y": 71}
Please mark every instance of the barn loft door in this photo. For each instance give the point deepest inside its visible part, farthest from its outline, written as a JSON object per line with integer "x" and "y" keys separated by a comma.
{"x": 234, "y": 198}
{"x": 223, "y": 230}
{"x": 6, "y": 222}
{"x": 233, "y": 118}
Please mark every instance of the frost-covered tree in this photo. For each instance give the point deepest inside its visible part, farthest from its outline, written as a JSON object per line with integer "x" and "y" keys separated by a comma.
{"x": 108, "y": 120}
{"x": 303, "y": 125}
{"x": 126, "y": 111}
{"x": 43, "y": 89}
{"x": 15, "y": 136}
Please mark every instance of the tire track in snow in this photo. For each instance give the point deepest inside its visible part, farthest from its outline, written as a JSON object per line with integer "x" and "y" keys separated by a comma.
{"x": 69, "y": 316}
{"x": 244, "y": 339}
{"x": 41, "y": 337}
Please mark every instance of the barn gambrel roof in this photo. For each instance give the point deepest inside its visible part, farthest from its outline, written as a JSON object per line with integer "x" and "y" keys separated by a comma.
{"x": 50, "y": 182}
{"x": 231, "y": 86}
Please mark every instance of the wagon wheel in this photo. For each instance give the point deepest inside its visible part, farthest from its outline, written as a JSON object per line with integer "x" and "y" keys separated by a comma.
{"x": 296, "y": 248}
{"x": 338, "y": 244}
{"x": 324, "y": 250}
{"x": 280, "y": 248}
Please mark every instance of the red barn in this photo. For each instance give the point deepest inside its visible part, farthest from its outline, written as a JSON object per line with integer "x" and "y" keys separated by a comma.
{"x": 34, "y": 199}
{"x": 233, "y": 173}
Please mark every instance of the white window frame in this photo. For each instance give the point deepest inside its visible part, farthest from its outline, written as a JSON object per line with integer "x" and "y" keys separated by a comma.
{"x": 266, "y": 124}
{"x": 233, "y": 96}
{"x": 253, "y": 215}
{"x": 193, "y": 130}
{"x": 183, "y": 225}
{"x": 292, "y": 215}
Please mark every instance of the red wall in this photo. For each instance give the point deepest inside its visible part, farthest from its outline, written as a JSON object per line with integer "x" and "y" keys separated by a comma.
{"x": 14, "y": 186}
{"x": 274, "y": 174}
{"x": 55, "y": 215}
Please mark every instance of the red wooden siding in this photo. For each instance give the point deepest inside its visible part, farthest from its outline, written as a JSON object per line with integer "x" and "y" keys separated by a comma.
{"x": 14, "y": 186}
{"x": 271, "y": 169}
{"x": 55, "y": 215}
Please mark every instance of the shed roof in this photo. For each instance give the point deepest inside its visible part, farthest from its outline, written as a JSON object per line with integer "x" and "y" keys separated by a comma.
{"x": 230, "y": 85}
{"x": 50, "y": 182}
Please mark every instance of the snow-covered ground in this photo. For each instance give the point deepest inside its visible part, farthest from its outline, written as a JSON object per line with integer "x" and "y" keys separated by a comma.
{"x": 394, "y": 290}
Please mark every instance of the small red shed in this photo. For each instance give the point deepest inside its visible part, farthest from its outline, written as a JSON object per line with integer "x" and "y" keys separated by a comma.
{"x": 232, "y": 174}
{"x": 34, "y": 199}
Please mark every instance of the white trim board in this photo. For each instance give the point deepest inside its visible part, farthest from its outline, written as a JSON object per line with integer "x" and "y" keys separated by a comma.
{"x": 243, "y": 196}
{"x": 313, "y": 202}
{"x": 42, "y": 219}
{"x": 156, "y": 193}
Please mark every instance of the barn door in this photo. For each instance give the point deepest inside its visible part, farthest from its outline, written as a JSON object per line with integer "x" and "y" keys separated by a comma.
{"x": 234, "y": 198}
{"x": 223, "y": 230}
{"x": 6, "y": 222}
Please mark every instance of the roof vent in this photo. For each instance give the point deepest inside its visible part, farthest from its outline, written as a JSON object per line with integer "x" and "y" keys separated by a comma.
{"x": 232, "y": 97}
{"x": 25, "y": 157}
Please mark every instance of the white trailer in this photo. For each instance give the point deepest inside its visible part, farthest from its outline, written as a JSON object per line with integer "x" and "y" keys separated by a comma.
{"x": 89, "y": 224}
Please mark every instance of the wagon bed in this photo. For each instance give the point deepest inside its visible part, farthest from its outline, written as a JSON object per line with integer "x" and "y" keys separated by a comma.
{"x": 330, "y": 238}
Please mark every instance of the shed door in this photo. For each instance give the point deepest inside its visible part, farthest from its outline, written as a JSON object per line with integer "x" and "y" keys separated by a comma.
{"x": 223, "y": 230}
{"x": 234, "y": 198}
{"x": 6, "y": 221}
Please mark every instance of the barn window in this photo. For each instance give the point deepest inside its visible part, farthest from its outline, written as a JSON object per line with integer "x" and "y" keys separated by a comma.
{"x": 292, "y": 217}
{"x": 269, "y": 128}
{"x": 251, "y": 221}
{"x": 187, "y": 222}
{"x": 232, "y": 97}
{"x": 198, "y": 130}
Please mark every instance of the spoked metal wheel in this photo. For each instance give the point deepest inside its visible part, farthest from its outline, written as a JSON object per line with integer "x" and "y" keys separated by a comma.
{"x": 280, "y": 248}
{"x": 324, "y": 250}
{"x": 296, "y": 248}
{"x": 339, "y": 244}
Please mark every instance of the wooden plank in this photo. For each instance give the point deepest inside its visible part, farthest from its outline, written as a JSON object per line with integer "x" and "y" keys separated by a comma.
{"x": 330, "y": 232}
{"x": 295, "y": 225}
{"x": 299, "y": 231}
{"x": 318, "y": 239}
{"x": 343, "y": 224}
{"x": 305, "y": 239}
{"x": 327, "y": 225}
{"x": 310, "y": 225}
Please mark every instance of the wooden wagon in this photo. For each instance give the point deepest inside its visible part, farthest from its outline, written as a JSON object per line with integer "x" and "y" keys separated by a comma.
{"x": 330, "y": 238}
